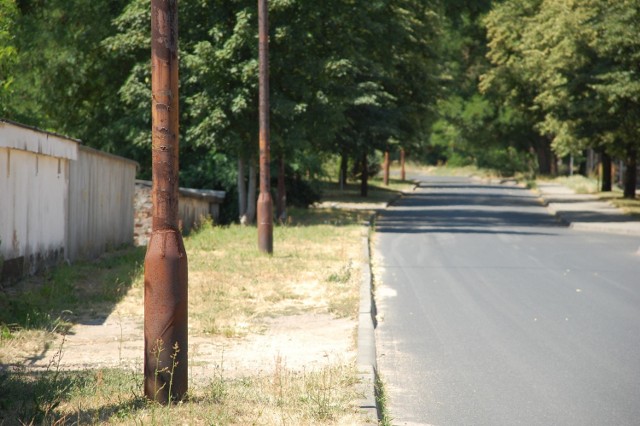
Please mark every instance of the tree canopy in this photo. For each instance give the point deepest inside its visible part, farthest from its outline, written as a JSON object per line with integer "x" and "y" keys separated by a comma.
{"x": 510, "y": 84}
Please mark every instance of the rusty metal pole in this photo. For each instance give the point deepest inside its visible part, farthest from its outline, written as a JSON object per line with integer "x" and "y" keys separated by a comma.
{"x": 403, "y": 175}
{"x": 386, "y": 168}
{"x": 265, "y": 202}
{"x": 165, "y": 264}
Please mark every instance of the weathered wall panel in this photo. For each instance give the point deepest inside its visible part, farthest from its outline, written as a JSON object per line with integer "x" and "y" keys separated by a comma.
{"x": 24, "y": 138}
{"x": 33, "y": 204}
{"x": 59, "y": 200}
{"x": 101, "y": 192}
{"x": 192, "y": 212}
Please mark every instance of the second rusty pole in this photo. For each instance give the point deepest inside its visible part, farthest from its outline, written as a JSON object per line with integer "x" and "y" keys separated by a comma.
{"x": 165, "y": 264}
{"x": 265, "y": 201}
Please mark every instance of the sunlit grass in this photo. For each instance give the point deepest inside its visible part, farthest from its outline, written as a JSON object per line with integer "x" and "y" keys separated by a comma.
{"x": 233, "y": 290}
{"x": 232, "y": 285}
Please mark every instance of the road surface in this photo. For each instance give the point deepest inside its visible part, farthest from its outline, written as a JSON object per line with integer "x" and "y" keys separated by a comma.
{"x": 491, "y": 312}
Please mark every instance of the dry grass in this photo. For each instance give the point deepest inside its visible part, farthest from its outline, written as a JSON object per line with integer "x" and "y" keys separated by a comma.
{"x": 233, "y": 290}
{"x": 232, "y": 286}
{"x": 111, "y": 396}
{"x": 579, "y": 183}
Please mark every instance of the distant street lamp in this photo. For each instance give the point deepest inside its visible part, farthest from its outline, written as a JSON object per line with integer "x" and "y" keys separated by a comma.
{"x": 265, "y": 202}
{"x": 165, "y": 264}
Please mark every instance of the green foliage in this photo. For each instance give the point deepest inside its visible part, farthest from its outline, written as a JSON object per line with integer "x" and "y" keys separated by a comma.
{"x": 473, "y": 127}
{"x": 571, "y": 67}
{"x": 8, "y": 52}
{"x": 346, "y": 76}
{"x": 301, "y": 193}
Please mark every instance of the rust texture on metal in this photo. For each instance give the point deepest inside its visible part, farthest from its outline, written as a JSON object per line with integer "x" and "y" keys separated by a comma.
{"x": 265, "y": 202}
{"x": 165, "y": 265}
{"x": 386, "y": 168}
{"x": 403, "y": 174}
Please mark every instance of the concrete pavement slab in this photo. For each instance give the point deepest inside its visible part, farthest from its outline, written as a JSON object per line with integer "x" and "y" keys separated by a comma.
{"x": 585, "y": 211}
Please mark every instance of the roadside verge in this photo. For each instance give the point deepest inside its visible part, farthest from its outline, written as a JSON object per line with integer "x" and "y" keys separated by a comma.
{"x": 585, "y": 212}
{"x": 367, "y": 357}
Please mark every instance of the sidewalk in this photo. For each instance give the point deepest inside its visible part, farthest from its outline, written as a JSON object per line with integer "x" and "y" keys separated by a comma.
{"x": 586, "y": 212}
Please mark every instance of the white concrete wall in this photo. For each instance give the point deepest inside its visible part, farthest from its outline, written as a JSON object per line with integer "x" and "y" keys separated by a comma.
{"x": 33, "y": 207}
{"x": 59, "y": 200}
{"x": 101, "y": 192}
{"x": 24, "y": 138}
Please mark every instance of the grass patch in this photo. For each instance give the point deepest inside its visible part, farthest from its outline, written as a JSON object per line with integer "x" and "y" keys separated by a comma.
{"x": 232, "y": 286}
{"x": 381, "y": 400}
{"x": 49, "y": 301}
{"x": 35, "y": 310}
{"x": 378, "y": 192}
{"x": 233, "y": 291}
{"x": 580, "y": 184}
{"x": 112, "y": 396}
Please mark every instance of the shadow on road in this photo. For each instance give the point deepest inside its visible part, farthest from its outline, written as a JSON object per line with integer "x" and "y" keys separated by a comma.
{"x": 464, "y": 207}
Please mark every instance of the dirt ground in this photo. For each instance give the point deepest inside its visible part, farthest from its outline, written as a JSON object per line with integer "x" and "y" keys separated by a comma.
{"x": 299, "y": 342}
{"x": 306, "y": 341}
{"x": 302, "y": 342}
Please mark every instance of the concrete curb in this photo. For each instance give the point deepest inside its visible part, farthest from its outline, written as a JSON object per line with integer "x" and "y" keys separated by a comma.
{"x": 366, "y": 360}
{"x": 630, "y": 227}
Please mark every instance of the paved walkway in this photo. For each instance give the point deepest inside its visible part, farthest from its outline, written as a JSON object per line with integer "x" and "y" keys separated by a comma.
{"x": 585, "y": 211}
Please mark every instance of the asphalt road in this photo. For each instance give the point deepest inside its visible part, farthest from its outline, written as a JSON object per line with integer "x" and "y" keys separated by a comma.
{"x": 491, "y": 312}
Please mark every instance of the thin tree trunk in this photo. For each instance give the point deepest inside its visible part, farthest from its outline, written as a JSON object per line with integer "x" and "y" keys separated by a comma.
{"x": 251, "y": 194}
{"x": 364, "y": 181}
{"x": 606, "y": 173}
{"x": 242, "y": 191}
{"x": 590, "y": 162}
{"x": 544, "y": 154}
{"x": 386, "y": 168}
{"x": 571, "y": 165}
{"x": 630, "y": 178}
{"x": 281, "y": 199}
{"x": 403, "y": 175}
{"x": 553, "y": 165}
{"x": 344, "y": 164}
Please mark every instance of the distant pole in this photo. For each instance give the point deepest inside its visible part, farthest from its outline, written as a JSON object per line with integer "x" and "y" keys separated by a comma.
{"x": 403, "y": 175}
{"x": 165, "y": 264}
{"x": 265, "y": 202}
{"x": 386, "y": 168}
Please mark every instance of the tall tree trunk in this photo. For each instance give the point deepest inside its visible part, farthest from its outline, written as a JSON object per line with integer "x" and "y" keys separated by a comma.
{"x": 242, "y": 191}
{"x": 590, "y": 162}
{"x": 386, "y": 168}
{"x": 403, "y": 175}
{"x": 542, "y": 148}
{"x": 571, "y": 165}
{"x": 582, "y": 165}
{"x": 364, "y": 180}
{"x": 606, "y": 172}
{"x": 251, "y": 194}
{"x": 553, "y": 164}
{"x": 630, "y": 176}
{"x": 281, "y": 199}
{"x": 344, "y": 164}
